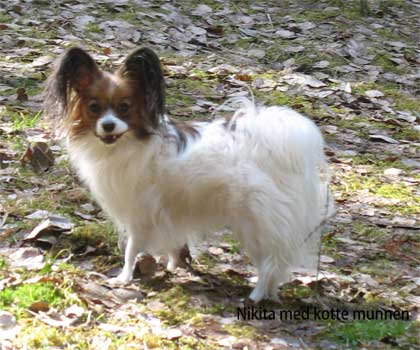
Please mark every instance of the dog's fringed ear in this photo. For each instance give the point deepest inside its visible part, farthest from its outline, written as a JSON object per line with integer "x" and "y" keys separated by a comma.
{"x": 74, "y": 71}
{"x": 142, "y": 68}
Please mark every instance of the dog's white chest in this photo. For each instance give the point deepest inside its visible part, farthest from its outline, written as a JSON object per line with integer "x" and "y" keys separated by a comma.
{"x": 114, "y": 177}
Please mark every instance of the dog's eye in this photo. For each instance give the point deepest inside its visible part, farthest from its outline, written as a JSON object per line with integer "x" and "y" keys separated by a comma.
{"x": 94, "y": 107}
{"x": 123, "y": 107}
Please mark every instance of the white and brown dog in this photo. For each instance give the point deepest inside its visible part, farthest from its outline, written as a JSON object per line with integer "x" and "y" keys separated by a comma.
{"x": 160, "y": 181}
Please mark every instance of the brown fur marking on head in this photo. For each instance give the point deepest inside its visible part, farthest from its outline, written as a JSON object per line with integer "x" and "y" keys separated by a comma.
{"x": 135, "y": 93}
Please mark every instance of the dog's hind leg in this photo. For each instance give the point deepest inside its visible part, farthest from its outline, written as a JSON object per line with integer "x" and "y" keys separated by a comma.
{"x": 269, "y": 277}
{"x": 178, "y": 258}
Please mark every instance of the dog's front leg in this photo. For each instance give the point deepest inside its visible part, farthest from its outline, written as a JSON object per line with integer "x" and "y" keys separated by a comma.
{"x": 131, "y": 250}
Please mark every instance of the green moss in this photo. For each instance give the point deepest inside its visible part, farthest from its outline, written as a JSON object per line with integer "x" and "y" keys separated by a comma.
{"x": 280, "y": 98}
{"x": 32, "y": 85}
{"x": 368, "y": 232}
{"x": 378, "y": 164}
{"x": 99, "y": 235}
{"x": 178, "y": 309}
{"x": 93, "y": 28}
{"x": 351, "y": 183}
{"x": 380, "y": 266}
{"x": 397, "y": 191}
{"x": 5, "y": 18}
{"x": 362, "y": 332}
{"x": 214, "y": 309}
{"x": 207, "y": 259}
{"x": 23, "y": 296}
{"x": 387, "y": 5}
{"x": 235, "y": 246}
{"x": 45, "y": 338}
{"x": 42, "y": 337}
{"x": 316, "y": 15}
{"x": 245, "y": 43}
{"x": 3, "y": 263}
{"x": 407, "y": 134}
{"x": 384, "y": 61}
{"x": 130, "y": 16}
{"x": 402, "y": 99}
{"x": 241, "y": 330}
{"x": 292, "y": 291}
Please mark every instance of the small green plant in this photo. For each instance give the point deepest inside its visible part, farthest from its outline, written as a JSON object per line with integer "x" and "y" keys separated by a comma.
{"x": 93, "y": 28}
{"x": 235, "y": 246}
{"x": 22, "y": 121}
{"x": 364, "y": 9}
{"x": 2, "y": 263}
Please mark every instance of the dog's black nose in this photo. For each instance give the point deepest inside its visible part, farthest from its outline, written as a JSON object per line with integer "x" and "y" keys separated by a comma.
{"x": 108, "y": 126}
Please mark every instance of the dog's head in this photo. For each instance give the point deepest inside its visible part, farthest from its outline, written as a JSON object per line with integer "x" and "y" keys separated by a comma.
{"x": 89, "y": 100}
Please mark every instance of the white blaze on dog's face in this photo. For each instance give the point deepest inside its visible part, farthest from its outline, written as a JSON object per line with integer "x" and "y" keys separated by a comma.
{"x": 110, "y": 127}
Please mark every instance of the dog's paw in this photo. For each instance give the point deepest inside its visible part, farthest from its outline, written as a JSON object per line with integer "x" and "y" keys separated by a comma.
{"x": 121, "y": 280}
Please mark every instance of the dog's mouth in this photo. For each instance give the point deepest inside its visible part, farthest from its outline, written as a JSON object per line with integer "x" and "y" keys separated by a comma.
{"x": 110, "y": 139}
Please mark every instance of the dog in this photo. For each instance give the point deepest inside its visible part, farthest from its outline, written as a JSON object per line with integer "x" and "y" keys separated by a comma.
{"x": 261, "y": 172}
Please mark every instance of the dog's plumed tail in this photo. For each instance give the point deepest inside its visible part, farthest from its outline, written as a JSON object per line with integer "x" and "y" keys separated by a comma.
{"x": 290, "y": 200}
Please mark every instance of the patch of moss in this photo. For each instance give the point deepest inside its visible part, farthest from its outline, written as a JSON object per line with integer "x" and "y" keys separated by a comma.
{"x": 364, "y": 332}
{"x": 3, "y": 263}
{"x": 31, "y": 85}
{"x": 93, "y": 28}
{"x": 42, "y": 337}
{"x": 402, "y": 99}
{"x": 244, "y": 43}
{"x": 397, "y": 191}
{"x": 380, "y": 266}
{"x": 235, "y": 246}
{"x": 407, "y": 134}
{"x": 178, "y": 311}
{"x": 351, "y": 183}
{"x": 23, "y": 296}
{"x": 378, "y": 164}
{"x": 241, "y": 330}
{"x": 280, "y": 98}
{"x": 214, "y": 309}
{"x": 387, "y": 5}
{"x": 5, "y": 18}
{"x": 207, "y": 259}
{"x": 45, "y": 337}
{"x": 365, "y": 231}
{"x": 293, "y": 291}
{"x": 95, "y": 234}
{"x": 316, "y": 15}
{"x": 383, "y": 60}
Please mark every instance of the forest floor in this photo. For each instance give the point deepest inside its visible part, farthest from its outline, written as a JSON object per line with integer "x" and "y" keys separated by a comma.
{"x": 353, "y": 69}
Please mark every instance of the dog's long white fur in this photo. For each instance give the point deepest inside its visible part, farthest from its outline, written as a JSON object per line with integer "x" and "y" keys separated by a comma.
{"x": 265, "y": 177}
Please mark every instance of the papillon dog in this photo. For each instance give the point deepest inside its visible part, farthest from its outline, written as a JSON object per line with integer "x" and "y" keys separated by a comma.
{"x": 261, "y": 172}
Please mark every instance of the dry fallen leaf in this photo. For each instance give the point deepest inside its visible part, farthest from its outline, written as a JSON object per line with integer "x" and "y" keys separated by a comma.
{"x": 39, "y": 306}
{"x": 27, "y": 257}
{"x": 39, "y": 156}
{"x": 383, "y": 138}
{"x": 54, "y": 224}
{"x": 147, "y": 265}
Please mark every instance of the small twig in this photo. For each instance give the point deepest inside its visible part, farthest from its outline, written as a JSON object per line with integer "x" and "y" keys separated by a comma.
{"x": 305, "y": 346}
{"x": 3, "y": 221}
{"x": 269, "y": 20}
